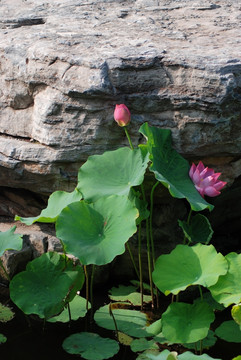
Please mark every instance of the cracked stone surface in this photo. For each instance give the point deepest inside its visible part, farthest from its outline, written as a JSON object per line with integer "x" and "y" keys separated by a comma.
{"x": 64, "y": 64}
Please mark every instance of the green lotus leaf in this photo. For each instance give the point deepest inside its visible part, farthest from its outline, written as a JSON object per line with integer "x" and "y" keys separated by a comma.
{"x": 155, "y": 328}
{"x": 207, "y": 297}
{"x": 154, "y": 355}
{"x": 140, "y": 204}
{"x": 142, "y": 344}
{"x": 188, "y": 265}
{"x": 199, "y": 230}
{"x": 236, "y": 313}
{"x": 47, "y": 285}
{"x": 129, "y": 294}
{"x": 170, "y": 168}
{"x": 130, "y": 322}
{"x": 96, "y": 233}
{"x": 77, "y": 310}
{"x": 208, "y": 342}
{"x": 112, "y": 173}
{"x": 229, "y": 331}
{"x": 56, "y": 203}
{"x": 227, "y": 290}
{"x": 187, "y": 323}
{"x": 144, "y": 285}
{"x": 6, "y": 314}
{"x": 190, "y": 356}
{"x": 3, "y": 339}
{"x": 237, "y": 357}
{"x": 90, "y": 346}
{"x": 124, "y": 339}
{"x": 10, "y": 241}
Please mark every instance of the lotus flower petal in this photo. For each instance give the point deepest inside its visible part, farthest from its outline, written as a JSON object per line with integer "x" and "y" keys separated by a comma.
{"x": 206, "y": 180}
{"x": 122, "y": 115}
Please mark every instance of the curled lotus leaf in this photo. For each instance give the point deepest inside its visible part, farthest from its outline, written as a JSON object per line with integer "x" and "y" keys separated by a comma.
{"x": 188, "y": 265}
{"x": 187, "y": 323}
{"x": 96, "y": 233}
{"x": 170, "y": 168}
{"x": 227, "y": 290}
{"x": 112, "y": 173}
{"x": 10, "y": 241}
{"x": 47, "y": 285}
{"x": 57, "y": 201}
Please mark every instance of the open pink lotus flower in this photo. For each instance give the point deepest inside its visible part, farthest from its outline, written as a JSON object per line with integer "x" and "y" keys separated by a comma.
{"x": 122, "y": 115}
{"x": 206, "y": 180}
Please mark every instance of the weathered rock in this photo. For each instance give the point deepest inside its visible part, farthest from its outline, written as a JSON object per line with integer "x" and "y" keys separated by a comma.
{"x": 64, "y": 64}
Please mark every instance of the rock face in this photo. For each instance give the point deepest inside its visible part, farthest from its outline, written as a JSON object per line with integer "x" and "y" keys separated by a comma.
{"x": 65, "y": 63}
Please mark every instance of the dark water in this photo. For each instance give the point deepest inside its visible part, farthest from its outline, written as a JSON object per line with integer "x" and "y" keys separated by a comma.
{"x": 34, "y": 340}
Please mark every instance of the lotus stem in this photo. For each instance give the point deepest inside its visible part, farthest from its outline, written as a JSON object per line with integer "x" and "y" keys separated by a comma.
{"x": 189, "y": 216}
{"x": 86, "y": 287}
{"x": 140, "y": 264}
{"x": 188, "y": 222}
{"x": 115, "y": 324}
{"x": 149, "y": 260}
{"x": 148, "y": 249}
{"x": 128, "y": 137}
{"x": 132, "y": 260}
{"x": 91, "y": 289}
{"x": 201, "y": 293}
{"x": 151, "y": 218}
{"x": 151, "y": 235}
{"x": 69, "y": 312}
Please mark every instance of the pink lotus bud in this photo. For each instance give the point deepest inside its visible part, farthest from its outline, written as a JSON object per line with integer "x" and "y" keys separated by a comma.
{"x": 122, "y": 115}
{"x": 206, "y": 180}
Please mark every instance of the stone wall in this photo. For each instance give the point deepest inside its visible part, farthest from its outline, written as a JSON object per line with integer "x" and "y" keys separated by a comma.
{"x": 64, "y": 64}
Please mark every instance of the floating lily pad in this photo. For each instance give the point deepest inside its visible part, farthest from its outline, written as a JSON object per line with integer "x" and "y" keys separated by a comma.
{"x": 56, "y": 203}
{"x": 170, "y": 168}
{"x": 185, "y": 266}
{"x": 154, "y": 355}
{"x": 187, "y": 323}
{"x": 47, "y": 284}
{"x": 128, "y": 293}
{"x": 96, "y": 233}
{"x": 144, "y": 285}
{"x": 164, "y": 355}
{"x": 199, "y": 230}
{"x": 113, "y": 172}
{"x": 229, "y": 331}
{"x": 90, "y": 346}
{"x": 142, "y": 344}
{"x": 237, "y": 357}
{"x": 190, "y": 356}
{"x": 10, "y": 241}
{"x": 130, "y": 322}
{"x": 77, "y": 310}
{"x": 6, "y": 314}
{"x": 124, "y": 339}
{"x": 227, "y": 290}
{"x": 236, "y": 313}
{"x": 3, "y": 339}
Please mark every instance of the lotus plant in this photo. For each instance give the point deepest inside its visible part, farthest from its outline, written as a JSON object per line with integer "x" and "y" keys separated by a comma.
{"x": 94, "y": 223}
